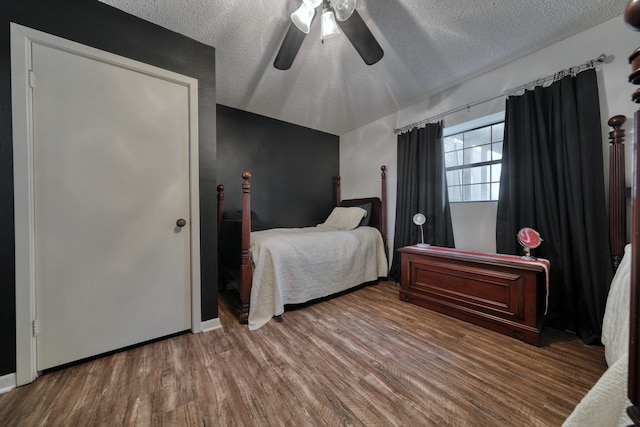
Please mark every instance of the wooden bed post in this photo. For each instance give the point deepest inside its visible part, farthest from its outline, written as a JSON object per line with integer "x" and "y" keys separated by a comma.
{"x": 632, "y": 18}
{"x": 246, "y": 271}
{"x": 617, "y": 193}
{"x": 220, "y": 207}
{"x": 337, "y": 190}
{"x": 221, "y": 283}
{"x": 383, "y": 214}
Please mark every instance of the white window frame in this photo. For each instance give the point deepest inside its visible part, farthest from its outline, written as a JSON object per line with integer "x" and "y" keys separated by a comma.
{"x": 471, "y": 125}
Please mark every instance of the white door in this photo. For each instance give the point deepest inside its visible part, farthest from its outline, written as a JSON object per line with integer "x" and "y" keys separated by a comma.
{"x": 111, "y": 178}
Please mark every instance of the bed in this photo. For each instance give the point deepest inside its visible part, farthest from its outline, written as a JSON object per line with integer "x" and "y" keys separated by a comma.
{"x": 274, "y": 267}
{"x": 615, "y": 399}
{"x": 606, "y": 403}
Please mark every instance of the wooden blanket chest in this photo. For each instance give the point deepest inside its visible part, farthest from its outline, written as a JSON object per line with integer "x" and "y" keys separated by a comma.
{"x": 502, "y": 293}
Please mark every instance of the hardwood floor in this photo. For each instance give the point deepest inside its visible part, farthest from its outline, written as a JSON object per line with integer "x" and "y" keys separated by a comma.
{"x": 361, "y": 359}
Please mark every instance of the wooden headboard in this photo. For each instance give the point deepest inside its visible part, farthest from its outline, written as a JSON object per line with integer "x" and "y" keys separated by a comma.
{"x": 378, "y": 205}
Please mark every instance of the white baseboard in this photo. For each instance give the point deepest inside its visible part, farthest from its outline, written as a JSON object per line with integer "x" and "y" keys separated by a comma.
{"x": 7, "y": 383}
{"x": 211, "y": 325}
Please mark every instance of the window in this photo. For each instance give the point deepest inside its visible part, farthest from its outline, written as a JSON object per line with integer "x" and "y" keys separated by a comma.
{"x": 473, "y": 159}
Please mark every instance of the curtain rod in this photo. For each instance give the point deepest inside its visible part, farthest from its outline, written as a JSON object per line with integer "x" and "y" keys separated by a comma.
{"x": 539, "y": 82}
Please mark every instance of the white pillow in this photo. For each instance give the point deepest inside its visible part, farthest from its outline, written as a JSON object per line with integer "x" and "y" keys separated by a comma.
{"x": 343, "y": 218}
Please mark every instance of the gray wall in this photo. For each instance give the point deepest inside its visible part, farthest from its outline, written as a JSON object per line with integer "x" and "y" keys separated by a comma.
{"x": 292, "y": 167}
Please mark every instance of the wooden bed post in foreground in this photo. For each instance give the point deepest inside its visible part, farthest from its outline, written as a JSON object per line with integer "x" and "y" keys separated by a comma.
{"x": 617, "y": 193}
{"x": 632, "y": 18}
{"x": 246, "y": 271}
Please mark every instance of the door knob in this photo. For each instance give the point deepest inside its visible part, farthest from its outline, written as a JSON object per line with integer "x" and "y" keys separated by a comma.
{"x": 181, "y": 223}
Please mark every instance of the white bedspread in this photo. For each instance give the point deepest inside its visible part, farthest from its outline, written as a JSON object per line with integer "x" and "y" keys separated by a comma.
{"x": 615, "y": 325}
{"x": 296, "y": 265}
{"x": 605, "y": 404}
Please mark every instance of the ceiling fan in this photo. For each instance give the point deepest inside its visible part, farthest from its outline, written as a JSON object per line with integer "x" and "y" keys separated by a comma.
{"x": 349, "y": 21}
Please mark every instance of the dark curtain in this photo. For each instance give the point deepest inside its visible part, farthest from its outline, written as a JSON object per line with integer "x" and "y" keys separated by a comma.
{"x": 421, "y": 188}
{"x": 553, "y": 181}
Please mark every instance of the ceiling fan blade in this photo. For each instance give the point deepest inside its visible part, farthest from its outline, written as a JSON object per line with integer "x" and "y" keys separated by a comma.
{"x": 361, "y": 38}
{"x": 289, "y": 48}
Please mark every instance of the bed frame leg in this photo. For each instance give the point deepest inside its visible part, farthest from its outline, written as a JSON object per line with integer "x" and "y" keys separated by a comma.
{"x": 244, "y": 313}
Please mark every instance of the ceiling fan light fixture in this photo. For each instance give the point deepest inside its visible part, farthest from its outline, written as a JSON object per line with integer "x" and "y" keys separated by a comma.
{"x": 329, "y": 25}
{"x": 303, "y": 17}
{"x": 343, "y": 8}
{"x": 355, "y": 29}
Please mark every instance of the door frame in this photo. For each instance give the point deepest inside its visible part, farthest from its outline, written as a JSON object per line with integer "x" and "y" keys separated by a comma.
{"x": 22, "y": 39}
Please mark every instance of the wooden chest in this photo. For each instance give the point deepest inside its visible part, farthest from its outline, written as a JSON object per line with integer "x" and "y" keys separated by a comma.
{"x": 502, "y": 293}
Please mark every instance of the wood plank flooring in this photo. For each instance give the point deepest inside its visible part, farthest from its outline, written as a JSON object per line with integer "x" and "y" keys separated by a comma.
{"x": 361, "y": 359}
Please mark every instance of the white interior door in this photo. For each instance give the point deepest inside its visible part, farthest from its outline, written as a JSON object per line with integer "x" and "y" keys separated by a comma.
{"x": 111, "y": 177}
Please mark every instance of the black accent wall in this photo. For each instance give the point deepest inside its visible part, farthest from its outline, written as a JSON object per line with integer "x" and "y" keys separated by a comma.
{"x": 95, "y": 24}
{"x": 292, "y": 167}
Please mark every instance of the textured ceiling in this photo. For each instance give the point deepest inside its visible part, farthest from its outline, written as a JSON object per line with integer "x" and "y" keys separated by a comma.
{"x": 429, "y": 45}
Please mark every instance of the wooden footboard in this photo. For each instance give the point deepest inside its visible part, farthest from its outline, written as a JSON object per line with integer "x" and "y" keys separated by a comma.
{"x": 378, "y": 220}
{"x": 246, "y": 273}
